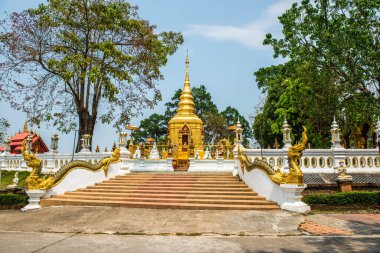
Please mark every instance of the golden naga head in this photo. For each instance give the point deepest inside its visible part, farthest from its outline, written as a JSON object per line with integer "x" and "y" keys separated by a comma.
{"x": 295, "y": 151}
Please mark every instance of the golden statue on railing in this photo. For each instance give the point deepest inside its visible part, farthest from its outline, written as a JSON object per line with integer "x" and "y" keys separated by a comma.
{"x": 295, "y": 175}
{"x": 35, "y": 180}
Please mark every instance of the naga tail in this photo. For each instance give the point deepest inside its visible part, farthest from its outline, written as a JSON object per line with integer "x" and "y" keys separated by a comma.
{"x": 66, "y": 169}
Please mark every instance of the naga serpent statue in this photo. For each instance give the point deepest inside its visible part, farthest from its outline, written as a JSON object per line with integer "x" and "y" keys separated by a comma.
{"x": 36, "y": 181}
{"x": 295, "y": 175}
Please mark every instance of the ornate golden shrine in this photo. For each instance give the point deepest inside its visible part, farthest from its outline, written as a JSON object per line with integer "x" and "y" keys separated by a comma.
{"x": 185, "y": 131}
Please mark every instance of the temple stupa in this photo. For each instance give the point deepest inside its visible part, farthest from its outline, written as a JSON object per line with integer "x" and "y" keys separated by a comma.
{"x": 185, "y": 129}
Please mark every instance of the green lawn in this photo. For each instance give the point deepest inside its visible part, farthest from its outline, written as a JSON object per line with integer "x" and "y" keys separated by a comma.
{"x": 7, "y": 176}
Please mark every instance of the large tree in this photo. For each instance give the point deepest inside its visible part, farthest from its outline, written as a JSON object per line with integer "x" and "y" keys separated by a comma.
{"x": 286, "y": 94}
{"x": 72, "y": 62}
{"x": 333, "y": 49}
{"x": 155, "y": 126}
{"x": 231, "y": 116}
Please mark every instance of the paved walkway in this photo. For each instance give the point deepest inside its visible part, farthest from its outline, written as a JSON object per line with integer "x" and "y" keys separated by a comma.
{"x": 114, "y": 220}
{"x": 93, "y": 243}
{"x": 110, "y": 229}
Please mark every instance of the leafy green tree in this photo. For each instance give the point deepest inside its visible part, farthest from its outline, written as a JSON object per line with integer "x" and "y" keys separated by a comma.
{"x": 215, "y": 128}
{"x": 82, "y": 60}
{"x": 154, "y": 126}
{"x": 231, "y": 115}
{"x": 203, "y": 102}
{"x": 286, "y": 97}
{"x": 332, "y": 52}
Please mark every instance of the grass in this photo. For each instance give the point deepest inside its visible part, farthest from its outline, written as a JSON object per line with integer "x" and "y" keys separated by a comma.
{"x": 7, "y": 177}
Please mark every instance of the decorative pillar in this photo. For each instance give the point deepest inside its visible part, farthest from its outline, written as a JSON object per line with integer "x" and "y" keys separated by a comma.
{"x": 54, "y": 143}
{"x": 286, "y": 133}
{"x": 238, "y": 142}
{"x": 335, "y": 135}
{"x": 85, "y": 143}
{"x": 287, "y": 140}
{"x": 338, "y": 151}
{"x": 239, "y": 133}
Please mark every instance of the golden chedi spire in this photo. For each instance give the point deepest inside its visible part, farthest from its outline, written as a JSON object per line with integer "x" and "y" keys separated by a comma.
{"x": 186, "y": 104}
{"x": 186, "y": 127}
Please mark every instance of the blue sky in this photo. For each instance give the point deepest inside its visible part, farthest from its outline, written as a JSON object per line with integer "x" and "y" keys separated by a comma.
{"x": 224, "y": 39}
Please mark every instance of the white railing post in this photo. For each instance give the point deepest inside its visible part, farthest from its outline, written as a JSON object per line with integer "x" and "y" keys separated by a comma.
{"x": 339, "y": 152}
{"x": 287, "y": 140}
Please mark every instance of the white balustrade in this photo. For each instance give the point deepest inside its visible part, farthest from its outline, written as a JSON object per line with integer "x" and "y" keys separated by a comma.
{"x": 312, "y": 161}
{"x": 322, "y": 160}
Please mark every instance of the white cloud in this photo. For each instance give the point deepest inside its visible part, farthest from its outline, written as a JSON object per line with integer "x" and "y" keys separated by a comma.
{"x": 250, "y": 35}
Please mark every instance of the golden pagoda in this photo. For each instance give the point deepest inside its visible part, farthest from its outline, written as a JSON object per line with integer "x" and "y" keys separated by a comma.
{"x": 186, "y": 128}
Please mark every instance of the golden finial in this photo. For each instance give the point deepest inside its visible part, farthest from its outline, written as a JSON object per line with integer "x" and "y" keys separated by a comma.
{"x": 187, "y": 80}
{"x": 26, "y": 126}
{"x": 186, "y": 101}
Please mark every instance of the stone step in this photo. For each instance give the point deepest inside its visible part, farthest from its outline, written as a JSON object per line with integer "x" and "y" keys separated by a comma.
{"x": 168, "y": 191}
{"x": 179, "y": 190}
{"x": 168, "y": 200}
{"x": 142, "y": 204}
{"x": 172, "y": 184}
{"x": 167, "y": 195}
{"x": 173, "y": 175}
{"x": 179, "y": 178}
{"x": 188, "y": 188}
{"x": 203, "y": 180}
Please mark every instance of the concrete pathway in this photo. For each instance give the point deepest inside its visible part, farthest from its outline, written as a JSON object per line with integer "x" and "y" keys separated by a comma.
{"x": 114, "y": 220}
{"x": 67, "y": 242}
{"x": 111, "y": 229}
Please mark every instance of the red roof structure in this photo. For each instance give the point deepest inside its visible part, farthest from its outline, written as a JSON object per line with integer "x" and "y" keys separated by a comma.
{"x": 38, "y": 145}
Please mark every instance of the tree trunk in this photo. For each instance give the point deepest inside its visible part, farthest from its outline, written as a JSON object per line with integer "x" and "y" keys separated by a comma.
{"x": 346, "y": 138}
{"x": 86, "y": 126}
{"x": 365, "y": 131}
